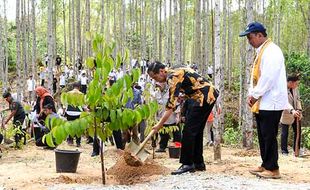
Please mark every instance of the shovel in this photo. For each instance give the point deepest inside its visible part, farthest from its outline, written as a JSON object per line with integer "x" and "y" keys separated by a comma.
{"x": 136, "y": 154}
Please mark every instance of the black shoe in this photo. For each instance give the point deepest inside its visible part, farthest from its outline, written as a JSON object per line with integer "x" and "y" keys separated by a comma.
{"x": 94, "y": 154}
{"x": 78, "y": 145}
{"x": 160, "y": 150}
{"x": 183, "y": 169}
{"x": 200, "y": 167}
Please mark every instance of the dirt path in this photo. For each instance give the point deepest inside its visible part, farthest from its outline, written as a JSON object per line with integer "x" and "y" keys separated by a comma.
{"x": 34, "y": 168}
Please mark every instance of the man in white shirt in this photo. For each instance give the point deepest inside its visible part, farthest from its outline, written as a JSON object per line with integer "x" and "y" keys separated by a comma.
{"x": 84, "y": 82}
{"x": 267, "y": 96}
{"x": 62, "y": 80}
{"x": 31, "y": 85}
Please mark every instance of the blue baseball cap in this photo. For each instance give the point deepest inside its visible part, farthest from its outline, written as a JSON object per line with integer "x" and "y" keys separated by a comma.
{"x": 253, "y": 27}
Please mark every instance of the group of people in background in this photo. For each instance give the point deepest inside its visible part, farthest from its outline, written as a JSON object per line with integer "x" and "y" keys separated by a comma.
{"x": 185, "y": 96}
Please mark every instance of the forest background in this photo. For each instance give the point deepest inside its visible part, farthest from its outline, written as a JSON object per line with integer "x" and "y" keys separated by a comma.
{"x": 201, "y": 32}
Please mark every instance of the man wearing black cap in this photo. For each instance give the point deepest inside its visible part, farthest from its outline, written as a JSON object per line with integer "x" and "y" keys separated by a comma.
{"x": 17, "y": 112}
{"x": 267, "y": 96}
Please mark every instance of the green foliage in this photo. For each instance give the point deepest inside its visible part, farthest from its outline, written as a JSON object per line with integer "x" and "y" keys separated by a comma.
{"x": 306, "y": 137}
{"x": 232, "y": 133}
{"x": 106, "y": 103}
{"x": 232, "y": 136}
{"x": 300, "y": 63}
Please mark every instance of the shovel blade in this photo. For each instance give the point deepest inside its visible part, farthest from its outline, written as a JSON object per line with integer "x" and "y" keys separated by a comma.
{"x": 133, "y": 148}
{"x": 136, "y": 150}
{"x": 143, "y": 155}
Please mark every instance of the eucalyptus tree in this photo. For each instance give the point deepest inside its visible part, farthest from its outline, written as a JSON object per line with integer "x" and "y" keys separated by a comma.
{"x": 18, "y": 51}
{"x": 229, "y": 45}
{"x": 177, "y": 48}
{"x": 34, "y": 43}
{"x": 143, "y": 34}
{"x": 219, "y": 82}
{"x": 197, "y": 36}
{"x": 73, "y": 37}
{"x": 102, "y": 20}
{"x": 70, "y": 33}
{"x": 2, "y": 61}
{"x": 50, "y": 45}
{"x": 64, "y": 28}
{"x": 24, "y": 45}
{"x": 78, "y": 33}
{"x": 160, "y": 33}
{"x": 205, "y": 42}
{"x": 5, "y": 46}
{"x": 247, "y": 130}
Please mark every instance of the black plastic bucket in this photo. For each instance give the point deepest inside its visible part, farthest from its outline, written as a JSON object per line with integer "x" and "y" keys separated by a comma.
{"x": 67, "y": 160}
{"x": 174, "y": 152}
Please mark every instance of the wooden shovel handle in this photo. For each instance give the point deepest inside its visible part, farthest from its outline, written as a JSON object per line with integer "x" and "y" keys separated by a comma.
{"x": 297, "y": 138}
{"x": 145, "y": 140}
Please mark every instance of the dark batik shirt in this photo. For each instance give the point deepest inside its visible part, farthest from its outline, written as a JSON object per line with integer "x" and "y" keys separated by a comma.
{"x": 194, "y": 86}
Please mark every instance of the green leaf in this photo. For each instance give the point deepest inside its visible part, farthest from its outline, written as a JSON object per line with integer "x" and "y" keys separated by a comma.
{"x": 112, "y": 115}
{"x": 118, "y": 60}
{"x": 95, "y": 46}
{"x": 124, "y": 99}
{"x": 125, "y": 60}
{"x": 90, "y": 62}
{"x": 91, "y": 131}
{"x": 49, "y": 140}
{"x": 88, "y": 36}
{"x": 136, "y": 74}
{"x": 138, "y": 117}
{"x": 128, "y": 81}
{"x": 102, "y": 135}
{"x": 63, "y": 98}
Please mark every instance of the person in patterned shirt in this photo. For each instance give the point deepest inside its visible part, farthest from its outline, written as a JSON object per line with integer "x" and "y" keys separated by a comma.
{"x": 185, "y": 80}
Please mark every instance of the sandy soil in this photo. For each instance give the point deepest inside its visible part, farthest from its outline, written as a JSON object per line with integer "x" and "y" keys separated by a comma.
{"x": 34, "y": 168}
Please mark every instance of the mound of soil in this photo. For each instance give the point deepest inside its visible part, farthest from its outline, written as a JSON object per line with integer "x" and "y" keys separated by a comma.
{"x": 126, "y": 174}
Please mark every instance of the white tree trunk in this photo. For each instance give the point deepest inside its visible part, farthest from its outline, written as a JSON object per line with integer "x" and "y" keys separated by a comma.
{"x": 197, "y": 44}
{"x": 73, "y": 35}
{"x": 78, "y": 32}
{"x": 65, "y": 33}
{"x": 6, "y": 54}
{"x": 34, "y": 43}
{"x": 50, "y": 45}
{"x": 87, "y": 27}
{"x": 219, "y": 83}
{"x": 70, "y": 33}
{"x": 181, "y": 39}
{"x": 248, "y": 127}
{"x": 308, "y": 45}
{"x": 24, "y": 46}
{"x": 160, "y": 35}
{"x": 102, "y": 14}
{"x": 2, "y": 60}
{"x": 18, "y": 51}
{"x": 230, "y": 46}
{"x": 143, "y": 45}
{"x": 176, "y": 34}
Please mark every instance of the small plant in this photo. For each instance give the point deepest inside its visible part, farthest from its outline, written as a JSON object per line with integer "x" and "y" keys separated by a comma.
{"x": 106, "y": 103}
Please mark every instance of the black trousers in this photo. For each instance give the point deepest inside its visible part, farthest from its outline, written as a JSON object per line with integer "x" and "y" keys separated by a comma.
{"x": 284, "y": 136}
{"x": 117, "y": 138}
{"x": 83, "y": 89}
{"x": 70, "y": 139}
{"x": 192, "y": 138}
{"x": 267, "y": 131}
{"x": 164, "y": 138}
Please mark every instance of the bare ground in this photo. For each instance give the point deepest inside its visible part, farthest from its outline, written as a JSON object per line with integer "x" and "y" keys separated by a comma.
{"x": 34, "y": 168}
